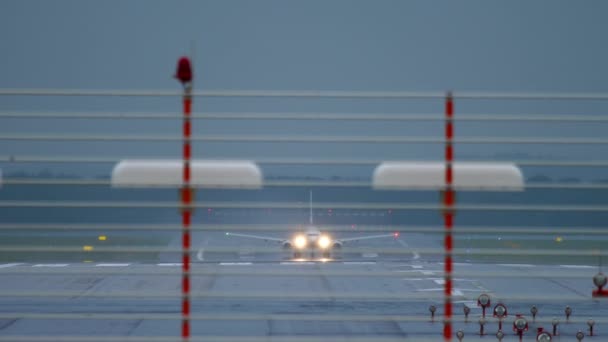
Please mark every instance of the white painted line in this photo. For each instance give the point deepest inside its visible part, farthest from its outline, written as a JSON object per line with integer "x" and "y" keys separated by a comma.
{"x": 50, "y": 265}
{"x": 577, "y": 266}
{"x": 235, "y": 263}
{"x": 199, "y": 254}
{"x": 170, "y": 264}
{"x": 112, "y": 265}
{"x": 516, "y": 265}
{"x": 439, "y": 281}
{"x": 462, "y": 264}
{"x": 417, "y": 266}
{"x": 359, "y": 263}
{"x": 10, "y": 265}
{"x": 370, "y": 255}
{"x": 457, "y": 292}
{"x": 427, "y": 272}
{"x": 297, "y": 263}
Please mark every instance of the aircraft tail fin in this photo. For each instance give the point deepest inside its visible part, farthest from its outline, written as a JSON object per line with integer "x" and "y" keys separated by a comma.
{"x": 310, "y": 207}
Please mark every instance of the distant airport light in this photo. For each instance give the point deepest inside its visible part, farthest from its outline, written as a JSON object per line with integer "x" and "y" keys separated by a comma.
{"x": 600, "y": 280}
{"x": 520, "y": 325}
{"x": 87, "y": 248}
{"x": 542, "y": 336}
{"x": 205, "y": 174}
{"x": 432, "y": 309}
{"x": 568, "y": 312}
{"x": 590, "y": 323}
{"x": 467, "y": 311}
{"x": 482, "y": 323}
{"x": 460, "y": 335}
{"x": 184, "y": 70}
{"x": 484, "y": 301}
{"x": 580, "y": 336}
{"x": 534, "y": 311}
{"x": 396, "y": 234}
{"x": 500, "y": 312}
{"x": 471, "y": 176}
{"x": 102, "y": 238}
{"x": 555, "y": 323}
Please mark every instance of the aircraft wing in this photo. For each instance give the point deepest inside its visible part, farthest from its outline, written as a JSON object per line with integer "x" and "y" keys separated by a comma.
{"x": 265, "y": 238}
{"x": 369, "y": 237}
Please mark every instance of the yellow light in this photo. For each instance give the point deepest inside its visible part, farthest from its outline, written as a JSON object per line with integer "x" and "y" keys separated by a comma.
{"x": 102, "y": 238}
{"x": 300, "y": 241}
{"x": 559, "y": 239}
{"x": 88, "y": 261}
{"x": 87, "y": 248}
{"x": 324, "y": 242}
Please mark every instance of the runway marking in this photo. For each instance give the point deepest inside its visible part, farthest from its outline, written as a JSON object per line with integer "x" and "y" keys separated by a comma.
{"x": 417, "y": 266}
{"x": 235, "y": 263}
{"x": 170, "y": 264}
{"x": 439, "y": 281}
{"x": 516, "y": 265}
{"x": 10, "y": 265}
{"x": 577, "y": 266}
{"x": 369, "y": 255}
{"x": 199, "y": 254}
{"x": 455, "y": 292}
{"x": 359, "y": 262}
{"x": 427, "y": 272}
{"x": 50, "y": 265}
{"x": 112, "y": 265}
{"x": 470, "y": 303}
{"x": 297, "y": 263}
{"x": 404, "y": 244}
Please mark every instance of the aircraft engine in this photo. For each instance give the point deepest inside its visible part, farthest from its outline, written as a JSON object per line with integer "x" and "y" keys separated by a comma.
{"x": 287, "y": 244}
{"x": 337, "y": 245}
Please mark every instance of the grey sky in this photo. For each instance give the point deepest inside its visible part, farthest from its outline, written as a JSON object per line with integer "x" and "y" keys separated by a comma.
{"x": 291, "y": 45}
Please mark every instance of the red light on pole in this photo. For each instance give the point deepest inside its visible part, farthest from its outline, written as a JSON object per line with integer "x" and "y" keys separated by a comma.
{"x": 600, "y": 281}
{"x": 484, "y": 301}
{"x": 184, "y": 70}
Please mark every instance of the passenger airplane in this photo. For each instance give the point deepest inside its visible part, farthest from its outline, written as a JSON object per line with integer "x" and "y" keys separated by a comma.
{"x": 312, "y": 239}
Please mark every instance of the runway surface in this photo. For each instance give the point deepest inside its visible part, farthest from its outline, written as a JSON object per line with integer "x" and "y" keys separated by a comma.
{"x": 267, "y": 296}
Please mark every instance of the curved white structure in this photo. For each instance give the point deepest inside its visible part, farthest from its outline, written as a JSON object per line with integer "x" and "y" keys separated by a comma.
{"x": 204, "y": 174}
{"x": 472, "y": 176}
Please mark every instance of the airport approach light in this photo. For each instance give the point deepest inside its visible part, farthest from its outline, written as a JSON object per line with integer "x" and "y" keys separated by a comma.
{"x": 555, "y": 323}
{"x": 543, "y": 336}
{"x": 460, "y": 335}
{"x": 472, "y": 176}
{"x": 484, "y": 301}
{"x": 467, "y": 311}
{"x": 590, "y": 323}
{"x": 520, "y": 325}
{"x": 205, "y": 174}
{"x": 568, "y": 312}
{"x": 580, "y": 336}
{"x": 183, "y": 71}
{"x": 500, "y": 335}
{"x": 600, "y": 281}
{"x": 500, "y": 312}
{"x": 533, "y": 311}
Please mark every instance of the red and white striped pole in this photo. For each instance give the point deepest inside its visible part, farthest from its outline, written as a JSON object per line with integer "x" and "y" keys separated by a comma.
{"x": 184, "y": 75}
{"x": 448, "y": 214}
